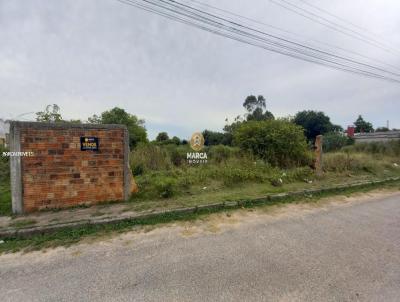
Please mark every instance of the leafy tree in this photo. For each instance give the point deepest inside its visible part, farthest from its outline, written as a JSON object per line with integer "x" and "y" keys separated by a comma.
{"x": 333, "y": 141}
{"x": 337, "y": 128}
{"x": 255, "y": 108}
{"x": 252, "y": 102}
{"x": 212, "y": 138}
{"x": 51, "y": 114}
{"x": 313, "y": 122}
{"x": 229, "y": 128}
{"x": 255, "y": 112}
{"x": 162, "y": 137}
{"x": 278, "y": 142}
{"x": 94, "y": 119}
{"x": 362, "y": 125}
{"x": 176, "y": 140}
{"x": 136, "y": 129}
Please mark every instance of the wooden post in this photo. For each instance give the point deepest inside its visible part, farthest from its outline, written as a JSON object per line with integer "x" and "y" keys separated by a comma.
{"x": 318, "y": 155}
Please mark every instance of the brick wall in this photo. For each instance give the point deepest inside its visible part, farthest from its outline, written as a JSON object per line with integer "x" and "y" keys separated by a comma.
{"x": 60, "y": 175}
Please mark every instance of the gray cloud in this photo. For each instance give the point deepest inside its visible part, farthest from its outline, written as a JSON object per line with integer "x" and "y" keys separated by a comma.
{"x": 89, "y": 56}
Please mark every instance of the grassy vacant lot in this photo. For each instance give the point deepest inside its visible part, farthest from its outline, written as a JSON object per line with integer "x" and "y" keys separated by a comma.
{"x": 166, "y": 180}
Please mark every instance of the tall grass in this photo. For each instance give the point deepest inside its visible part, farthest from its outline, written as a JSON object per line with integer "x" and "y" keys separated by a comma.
{"x": 345, "y": 161}
{"x": 168, "y": 173}
{"x": 5, "y": 191}
{"x": 390, "y": 148}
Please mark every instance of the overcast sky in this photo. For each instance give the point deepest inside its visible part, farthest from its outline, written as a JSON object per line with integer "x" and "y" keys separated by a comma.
{"x": 91, "y": 55}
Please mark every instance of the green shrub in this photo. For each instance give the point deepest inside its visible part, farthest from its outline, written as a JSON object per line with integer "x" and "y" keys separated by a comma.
{"x": 299, "y": 174}
{"x": 334, "y": 141}
{"x": 176, "y": 154}
{"x": 279, "y": 142}
{"x": 138, "y": 169}
{"x": 5, "y": 190}
{"x": 4, "y": 166}
{"x": 221, "y": 153}
{"x": 147, "y": 157}
{"x": 165, "y": 187}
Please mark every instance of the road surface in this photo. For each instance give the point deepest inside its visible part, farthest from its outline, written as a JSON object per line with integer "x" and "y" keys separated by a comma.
{"x": 344, "y": 251}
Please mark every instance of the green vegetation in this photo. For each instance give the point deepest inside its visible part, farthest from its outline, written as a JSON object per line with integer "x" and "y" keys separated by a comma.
{"x": 314, "y": 123}
{"x": 391, "y": 149}
{"x": 137, "y": 132}
{"x": 50, "y": 114}
{"x": 278, "y": 142}
{"x": 334, "y": 141}
{"x": 5, "y": 191}
{"x": 362, "y": 125}
{"x": 165, "y": 179}
{"x": 22, "y": 223}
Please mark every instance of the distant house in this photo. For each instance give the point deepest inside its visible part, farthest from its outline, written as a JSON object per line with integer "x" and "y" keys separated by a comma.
{"x": 377, "y": 136}
{"x": 4, "y": 130}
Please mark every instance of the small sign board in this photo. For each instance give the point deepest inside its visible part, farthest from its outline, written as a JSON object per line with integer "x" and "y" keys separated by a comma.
{"x": 89, "y": 143}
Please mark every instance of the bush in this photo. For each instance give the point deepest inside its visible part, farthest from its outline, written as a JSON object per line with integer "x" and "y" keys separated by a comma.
{"x": 149, "y": 157}
{"x": 138, "y": 169}
{"x": 4, "y": 166}
{"x": 278, "y": 142}
{"x": 176, "y": 154}
{"x": 221, "y": 153}
{"x": 165, "y": 187}
{"x": 334, "y": 141}
{"x": 5, "y": 190}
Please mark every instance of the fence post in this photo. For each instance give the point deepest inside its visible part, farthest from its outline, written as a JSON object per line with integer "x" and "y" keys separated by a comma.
{"x": 318, "y": 155}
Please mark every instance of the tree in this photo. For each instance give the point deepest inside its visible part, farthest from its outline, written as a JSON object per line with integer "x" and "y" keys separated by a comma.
{"x": 94, "y": 119}
{"x": 175, "y": 140}
{"x": 335, "y": 141}
{"x": 362, "y": 125}
{"x": 337, "y": 128}
{"x": 255, "y": 108}
{"x": 136, "y": 129}
{"x": 162, "y": 137}
{"x": 279, "y": 142}
{"x": 212, "y": 138}
{"x": 252, "y": 102}
{"x": 51, "y": 114}
{"x": 313, "y": 122}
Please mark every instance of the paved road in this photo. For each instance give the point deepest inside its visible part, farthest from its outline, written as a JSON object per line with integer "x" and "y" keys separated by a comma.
{"x": 338, "y": 253}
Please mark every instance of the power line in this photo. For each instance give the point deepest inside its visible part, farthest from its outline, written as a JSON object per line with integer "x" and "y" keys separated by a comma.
{"x": 292, "y": 33}
{"x": 257, "y": 38}
{"x": 332, "y": 25}
{"x": 191, "y": 16}
{"x": 363, "y": 29}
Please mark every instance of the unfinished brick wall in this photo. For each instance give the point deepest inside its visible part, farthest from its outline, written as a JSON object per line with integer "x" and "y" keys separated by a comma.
{"x": 60, "y": 175}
